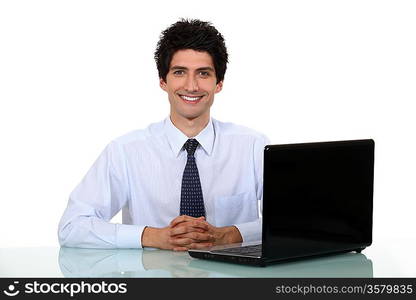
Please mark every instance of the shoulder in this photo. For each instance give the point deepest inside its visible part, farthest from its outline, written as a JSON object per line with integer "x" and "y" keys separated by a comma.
{"x": 153, "y": 131}
{"x": 238, "y": 131}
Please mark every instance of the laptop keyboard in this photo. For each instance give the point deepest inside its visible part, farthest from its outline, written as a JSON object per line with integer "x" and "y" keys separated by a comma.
{"x": 246, "y": 250}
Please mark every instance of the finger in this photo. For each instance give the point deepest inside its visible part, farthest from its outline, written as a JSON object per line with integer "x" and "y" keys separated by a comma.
{"x": 195, "y": 245}
{"x": 180, "y": 242}
{"x": 184, "y": 218}
{"x": 196, "y": 236}
{"x": 193, "y": 223}
{"x": 199, "y": 224}
{"x": 180, "y": 249}
{"x": 180, "y": 219}
{"x": 179, "y": 230}
{"x": 185, "y": 229}
{"x": 187, "y": 239}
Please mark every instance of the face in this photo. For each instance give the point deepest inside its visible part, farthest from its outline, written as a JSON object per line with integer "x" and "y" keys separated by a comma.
{"x": 191, "y": 85}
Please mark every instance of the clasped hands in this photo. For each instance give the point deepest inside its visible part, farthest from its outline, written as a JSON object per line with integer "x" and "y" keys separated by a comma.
{"x": 185, "y": 232}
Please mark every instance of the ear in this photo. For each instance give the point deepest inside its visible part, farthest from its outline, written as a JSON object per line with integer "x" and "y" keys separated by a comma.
{"x": 162, "y": 84}
{"x": 219, "y": 87}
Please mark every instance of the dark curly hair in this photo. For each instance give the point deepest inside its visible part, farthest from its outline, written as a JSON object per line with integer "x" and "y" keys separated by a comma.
{"x": 191, "y": 34}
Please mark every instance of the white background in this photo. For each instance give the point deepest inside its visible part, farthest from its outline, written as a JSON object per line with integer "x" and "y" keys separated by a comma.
{"x": 76, "y": 74}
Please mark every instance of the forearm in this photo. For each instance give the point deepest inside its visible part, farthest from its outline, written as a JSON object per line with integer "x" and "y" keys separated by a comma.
{"x": 151, "y": 237}
{"x": 227, "y": 235}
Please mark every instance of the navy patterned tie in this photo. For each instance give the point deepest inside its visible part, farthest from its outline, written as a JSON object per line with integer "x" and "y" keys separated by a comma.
{"x": 192, "y": 202}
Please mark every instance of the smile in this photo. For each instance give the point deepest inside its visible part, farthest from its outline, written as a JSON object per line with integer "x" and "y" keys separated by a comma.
{"x": 191, "y": 99}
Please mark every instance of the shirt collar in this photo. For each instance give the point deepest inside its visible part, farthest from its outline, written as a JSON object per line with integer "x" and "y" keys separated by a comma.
{"x": 177, "y": 138}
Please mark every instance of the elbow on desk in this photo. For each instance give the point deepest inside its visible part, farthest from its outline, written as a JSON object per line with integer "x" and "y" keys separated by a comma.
{"x": 64, "y": 235}
{"x": 79, "y": 233}
{"x": 68, "y": 235}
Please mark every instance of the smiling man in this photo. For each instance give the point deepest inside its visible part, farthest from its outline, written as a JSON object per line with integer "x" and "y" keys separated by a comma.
{"x": 188, "y": 181}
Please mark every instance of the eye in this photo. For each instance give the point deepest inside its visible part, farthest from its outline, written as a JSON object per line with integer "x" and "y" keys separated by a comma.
{"x": 204, "y": 73}
{"x": 178, "y": 72}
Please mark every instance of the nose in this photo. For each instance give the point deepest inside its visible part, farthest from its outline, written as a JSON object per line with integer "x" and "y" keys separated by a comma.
{"x": 191, "y": 84}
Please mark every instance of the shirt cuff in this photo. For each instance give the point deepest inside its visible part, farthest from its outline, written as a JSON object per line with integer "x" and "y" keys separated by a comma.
{"x": 129, "y": 236}
{"x": 250, "y": 231}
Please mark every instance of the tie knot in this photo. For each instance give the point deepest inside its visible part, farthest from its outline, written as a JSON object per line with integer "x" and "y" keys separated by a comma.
{"x": 190, "y": 146}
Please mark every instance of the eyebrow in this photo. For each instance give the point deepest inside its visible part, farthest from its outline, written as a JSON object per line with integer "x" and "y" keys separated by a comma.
{"x": 199, "y": 69}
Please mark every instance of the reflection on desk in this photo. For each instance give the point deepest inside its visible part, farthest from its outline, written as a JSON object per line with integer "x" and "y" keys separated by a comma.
{"x": 76, "y": 262}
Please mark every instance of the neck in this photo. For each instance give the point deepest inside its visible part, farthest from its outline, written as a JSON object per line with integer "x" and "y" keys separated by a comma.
{"x": 190, "y": 127}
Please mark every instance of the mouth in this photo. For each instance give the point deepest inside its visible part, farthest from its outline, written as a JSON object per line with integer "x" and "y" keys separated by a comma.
{"x": 191, "y": 99}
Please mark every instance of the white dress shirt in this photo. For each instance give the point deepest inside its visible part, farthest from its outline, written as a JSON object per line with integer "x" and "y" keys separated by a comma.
{"x": 141, "y": 173}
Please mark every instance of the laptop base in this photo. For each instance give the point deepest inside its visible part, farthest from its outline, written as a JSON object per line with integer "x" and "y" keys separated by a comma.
{"x": 245, "y": 260}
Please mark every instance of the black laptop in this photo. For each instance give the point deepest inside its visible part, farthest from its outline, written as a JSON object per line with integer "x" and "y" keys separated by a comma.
{"x": 317, "y": 200}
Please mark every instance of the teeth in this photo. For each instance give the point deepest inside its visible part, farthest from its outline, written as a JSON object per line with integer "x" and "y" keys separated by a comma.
{"x": 191, "y": 98}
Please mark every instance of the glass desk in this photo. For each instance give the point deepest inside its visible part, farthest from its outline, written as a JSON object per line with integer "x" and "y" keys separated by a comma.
{"x": 388, "y": 259}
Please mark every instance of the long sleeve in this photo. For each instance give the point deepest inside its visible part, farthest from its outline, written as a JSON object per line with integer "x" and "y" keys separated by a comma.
{"x": 251, "y": 231}
{"x": 101, "y": 194}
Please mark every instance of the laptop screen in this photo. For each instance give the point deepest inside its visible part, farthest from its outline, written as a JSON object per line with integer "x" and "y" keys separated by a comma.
{"x": 317, "y": 197}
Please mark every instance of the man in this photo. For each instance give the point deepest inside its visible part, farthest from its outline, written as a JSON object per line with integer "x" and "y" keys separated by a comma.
{"x": 189, "y": 181}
